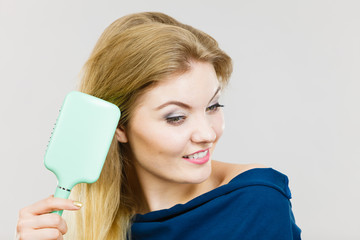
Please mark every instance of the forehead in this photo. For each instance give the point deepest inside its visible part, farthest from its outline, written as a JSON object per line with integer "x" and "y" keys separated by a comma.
{"x": 199, "y": 83}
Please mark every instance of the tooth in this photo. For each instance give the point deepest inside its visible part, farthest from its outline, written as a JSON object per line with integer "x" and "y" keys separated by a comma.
{"x": 197, "y": 155}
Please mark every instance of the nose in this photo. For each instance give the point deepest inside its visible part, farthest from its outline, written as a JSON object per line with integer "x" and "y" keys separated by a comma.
{"x": 203, "y": 131}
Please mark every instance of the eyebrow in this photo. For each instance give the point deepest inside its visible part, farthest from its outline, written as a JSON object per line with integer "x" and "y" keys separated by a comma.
{"x": 181, "y": 104}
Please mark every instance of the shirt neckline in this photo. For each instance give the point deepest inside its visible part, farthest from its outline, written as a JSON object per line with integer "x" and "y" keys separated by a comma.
{"x": 249, "y": 177}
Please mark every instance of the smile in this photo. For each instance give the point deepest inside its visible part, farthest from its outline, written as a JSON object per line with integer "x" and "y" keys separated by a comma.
{"x": 200, "y": 157}
{"x": 197, "y": 155}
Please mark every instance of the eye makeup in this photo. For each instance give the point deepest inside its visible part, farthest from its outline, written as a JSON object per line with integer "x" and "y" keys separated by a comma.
{"x": 215, "y": 107}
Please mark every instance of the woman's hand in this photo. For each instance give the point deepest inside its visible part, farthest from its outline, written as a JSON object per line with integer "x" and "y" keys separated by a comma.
{"x": 37, "y": 222}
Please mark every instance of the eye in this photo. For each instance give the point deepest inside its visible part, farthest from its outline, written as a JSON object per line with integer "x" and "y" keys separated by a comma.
{"x": 176, "y": 120}
{"x": 214, "y": 108}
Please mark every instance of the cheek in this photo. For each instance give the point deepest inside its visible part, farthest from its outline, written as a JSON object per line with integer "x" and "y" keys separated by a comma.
{"x": 170, "y": 140}
{"x": 156, "y": 139}
{"x": 218, "y": 124}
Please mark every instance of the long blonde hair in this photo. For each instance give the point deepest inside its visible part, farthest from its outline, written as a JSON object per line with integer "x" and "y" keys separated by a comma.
{"x": 132, "y": 55}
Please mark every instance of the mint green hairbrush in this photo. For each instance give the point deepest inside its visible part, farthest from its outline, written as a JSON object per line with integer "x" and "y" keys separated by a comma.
{"x": 80, "y": 141}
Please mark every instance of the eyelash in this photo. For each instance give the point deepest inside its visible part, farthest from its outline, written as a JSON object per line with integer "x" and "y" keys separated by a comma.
{"x": 214, "y": 107}
{"x": 177, "y": 120}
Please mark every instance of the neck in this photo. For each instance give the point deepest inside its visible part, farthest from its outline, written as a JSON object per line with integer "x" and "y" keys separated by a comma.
{"x": 163, "y": 197}
{"x": 160, "y": 194}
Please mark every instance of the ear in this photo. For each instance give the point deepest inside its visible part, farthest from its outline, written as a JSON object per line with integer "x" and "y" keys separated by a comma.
{"x": 121, "y": 135}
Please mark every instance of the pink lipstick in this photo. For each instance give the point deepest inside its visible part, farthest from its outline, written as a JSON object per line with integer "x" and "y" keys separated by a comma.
{"x": 199, "y": 157}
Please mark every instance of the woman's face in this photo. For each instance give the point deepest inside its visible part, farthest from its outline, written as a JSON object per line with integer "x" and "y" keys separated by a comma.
{"x": 179, "y": 117}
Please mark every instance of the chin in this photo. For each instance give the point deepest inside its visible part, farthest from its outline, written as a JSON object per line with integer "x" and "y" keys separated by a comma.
{"x": 198, "y": 175}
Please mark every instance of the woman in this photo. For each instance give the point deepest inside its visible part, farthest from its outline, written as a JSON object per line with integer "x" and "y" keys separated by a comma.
{"x": 158, "y": 181}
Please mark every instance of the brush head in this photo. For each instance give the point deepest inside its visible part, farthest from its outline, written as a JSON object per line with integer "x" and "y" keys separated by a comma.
{"x": 81, "y": 139}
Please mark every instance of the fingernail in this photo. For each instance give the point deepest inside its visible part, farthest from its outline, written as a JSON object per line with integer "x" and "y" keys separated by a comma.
{"x": 77, "y": 204}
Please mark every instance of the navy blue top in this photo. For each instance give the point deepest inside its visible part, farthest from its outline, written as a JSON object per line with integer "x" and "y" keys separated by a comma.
{"x": 253, "y": 205}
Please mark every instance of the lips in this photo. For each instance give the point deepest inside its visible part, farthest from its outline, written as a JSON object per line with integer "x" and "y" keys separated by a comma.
{"x": 199, "y": 157}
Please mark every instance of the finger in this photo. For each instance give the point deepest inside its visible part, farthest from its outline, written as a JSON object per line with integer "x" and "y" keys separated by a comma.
{"x": 42, "y": 234}
{"x": 51, "y": 204}
{"x": 50, "y": 220}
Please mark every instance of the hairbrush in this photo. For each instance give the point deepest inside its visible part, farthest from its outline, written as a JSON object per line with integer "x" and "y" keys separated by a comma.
{"x": 80, "y": 141}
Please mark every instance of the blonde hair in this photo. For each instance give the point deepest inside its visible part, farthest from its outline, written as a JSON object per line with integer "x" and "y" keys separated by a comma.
{"x": 132, "y": 55}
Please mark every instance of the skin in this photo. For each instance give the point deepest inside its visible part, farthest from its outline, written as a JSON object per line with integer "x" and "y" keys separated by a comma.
{"x": 180, "y": 116}
{"x": 36, "y": 221}
{"x": 159, "y": 136}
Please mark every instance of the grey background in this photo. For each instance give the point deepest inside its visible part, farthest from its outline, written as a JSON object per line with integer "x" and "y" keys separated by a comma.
{"x": 293, "y": 102}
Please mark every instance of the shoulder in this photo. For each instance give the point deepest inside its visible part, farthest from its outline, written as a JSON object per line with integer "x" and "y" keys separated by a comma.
{"x": 224, "y": 172}
{"x": 264, "y": 199}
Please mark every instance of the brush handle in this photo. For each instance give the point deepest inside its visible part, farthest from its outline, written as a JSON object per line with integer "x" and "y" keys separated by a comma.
{"x": 61, "y": 193}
